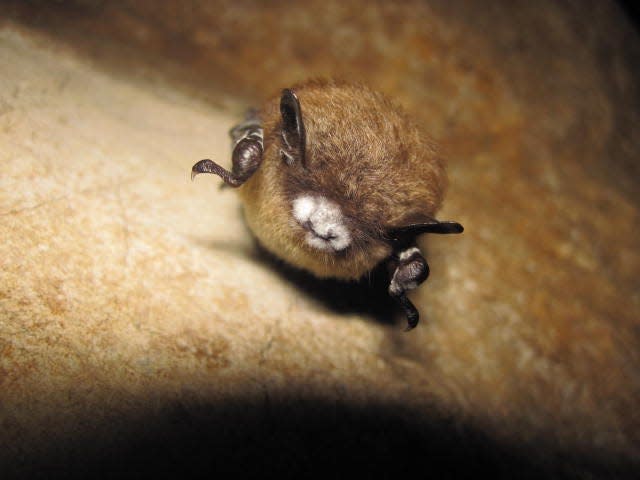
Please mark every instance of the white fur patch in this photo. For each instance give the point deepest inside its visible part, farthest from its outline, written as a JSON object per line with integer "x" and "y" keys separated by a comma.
{"x": 405, "y": 254}
{"x": 394, "y": 288}
{"x": 324, "y": 221}
{"x": 303, "y": 207}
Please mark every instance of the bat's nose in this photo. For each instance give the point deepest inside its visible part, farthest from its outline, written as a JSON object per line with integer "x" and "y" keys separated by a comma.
{"x": 325, "y": 234}
{"x": 323, "y": 221}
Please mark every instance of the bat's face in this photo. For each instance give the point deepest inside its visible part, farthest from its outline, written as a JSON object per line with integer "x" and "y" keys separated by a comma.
{"x": 312, "y": 230}
{"x": 328, "y": 237}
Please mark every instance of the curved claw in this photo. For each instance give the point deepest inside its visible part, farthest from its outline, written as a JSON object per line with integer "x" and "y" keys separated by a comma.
{"x": 246, "y": 158}
{"x": 209, "y": 166}
{"x": 413, "y": 317}
{"x": 203, "y": 166}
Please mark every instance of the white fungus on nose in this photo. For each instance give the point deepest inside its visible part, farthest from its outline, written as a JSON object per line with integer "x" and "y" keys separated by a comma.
{"x": 324, "y": 222}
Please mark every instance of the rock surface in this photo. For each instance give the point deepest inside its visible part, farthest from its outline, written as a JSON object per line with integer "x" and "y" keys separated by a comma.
{"x": 141, "y": 327}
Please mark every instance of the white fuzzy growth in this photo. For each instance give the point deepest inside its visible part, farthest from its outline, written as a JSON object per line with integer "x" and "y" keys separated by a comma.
{"x": 303, "y": 207}
{"x": 394, "y": 288}
{"x": 406, "y": 254}
{"x": 325, "y": 222}
{"x": 397, "y": 288}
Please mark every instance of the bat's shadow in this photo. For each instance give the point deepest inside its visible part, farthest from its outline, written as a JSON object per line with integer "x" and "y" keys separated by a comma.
{"x": 368, "y": 296}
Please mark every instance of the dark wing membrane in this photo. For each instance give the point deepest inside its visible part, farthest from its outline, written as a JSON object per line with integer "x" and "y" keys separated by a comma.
{"x": 428, "y": 226}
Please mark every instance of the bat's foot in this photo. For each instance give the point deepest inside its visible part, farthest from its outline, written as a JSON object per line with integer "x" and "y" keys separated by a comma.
{"x": 410, "y": 270}
{"x": 247, "y": 156}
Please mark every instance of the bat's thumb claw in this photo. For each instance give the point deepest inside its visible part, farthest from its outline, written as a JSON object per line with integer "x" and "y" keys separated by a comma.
{"x": 203, "y": 166}
{"x": 412, "y": 320}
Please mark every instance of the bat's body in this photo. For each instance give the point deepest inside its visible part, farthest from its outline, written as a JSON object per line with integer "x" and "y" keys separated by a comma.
{"x": 336, "y": 179}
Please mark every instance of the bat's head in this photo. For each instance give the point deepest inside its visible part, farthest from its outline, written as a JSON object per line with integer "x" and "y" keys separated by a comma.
{"x": 344, "y": 170}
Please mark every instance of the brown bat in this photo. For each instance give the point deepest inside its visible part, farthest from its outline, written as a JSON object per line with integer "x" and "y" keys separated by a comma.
{"x": 335, "y": 179}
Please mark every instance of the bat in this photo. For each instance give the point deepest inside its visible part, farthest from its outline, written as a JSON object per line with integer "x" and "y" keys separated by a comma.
{"x": 336, "y": 179}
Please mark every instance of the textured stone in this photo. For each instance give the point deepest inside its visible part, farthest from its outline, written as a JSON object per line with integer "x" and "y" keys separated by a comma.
{"x": 140, "y": 326}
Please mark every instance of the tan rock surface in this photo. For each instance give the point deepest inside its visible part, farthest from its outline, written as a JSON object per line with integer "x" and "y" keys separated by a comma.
{"x": 141, "y": 328}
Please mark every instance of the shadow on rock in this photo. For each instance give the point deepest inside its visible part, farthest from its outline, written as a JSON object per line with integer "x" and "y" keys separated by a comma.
{"x": 295, "y": 436}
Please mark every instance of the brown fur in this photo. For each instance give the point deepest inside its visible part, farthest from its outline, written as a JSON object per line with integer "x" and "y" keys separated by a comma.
{"x": 362, "y": 152}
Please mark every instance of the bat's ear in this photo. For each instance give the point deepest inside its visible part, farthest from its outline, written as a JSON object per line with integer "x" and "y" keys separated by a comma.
{"x": 293, "y": 134}
{"x": 415, "y": 224}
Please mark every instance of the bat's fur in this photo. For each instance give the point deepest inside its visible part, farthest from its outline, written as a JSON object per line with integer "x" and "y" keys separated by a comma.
{"x": 363, "y": 153}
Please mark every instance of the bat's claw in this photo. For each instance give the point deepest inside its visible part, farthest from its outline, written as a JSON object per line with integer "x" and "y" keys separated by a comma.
{"x": 203, "y": 166}
{"x": 413, "y": 317}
